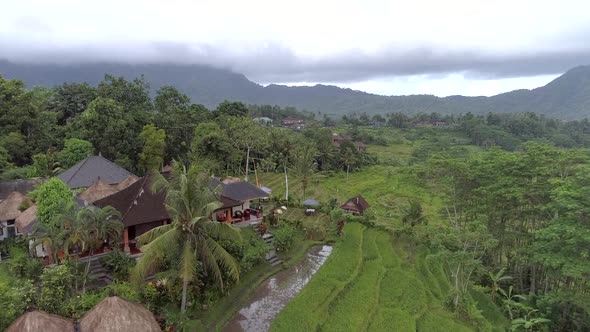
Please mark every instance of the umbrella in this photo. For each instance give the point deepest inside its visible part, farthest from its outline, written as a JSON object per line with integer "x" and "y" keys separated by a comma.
{"x": 266, "y": 189}
{"x": 311, "y": 202}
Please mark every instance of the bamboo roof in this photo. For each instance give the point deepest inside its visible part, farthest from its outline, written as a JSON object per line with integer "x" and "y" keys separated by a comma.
{"x": 35, "y": 321}
{"x": 98, "y": 190}
{"x": 113, "y": 314}
{"x": 131, "y": 179}
{"x": 26, "y": 220}
{"x": 10, "y": 207}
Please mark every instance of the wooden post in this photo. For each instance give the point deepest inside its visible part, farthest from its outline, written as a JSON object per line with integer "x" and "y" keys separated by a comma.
{"x": 126, "y": 240}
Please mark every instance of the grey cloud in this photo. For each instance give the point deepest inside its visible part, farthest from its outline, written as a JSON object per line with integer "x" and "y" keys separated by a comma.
{"x": 276, "y": 63}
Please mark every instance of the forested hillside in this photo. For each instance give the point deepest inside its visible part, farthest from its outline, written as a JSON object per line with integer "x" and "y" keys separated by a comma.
{"x": 567, "y": 97}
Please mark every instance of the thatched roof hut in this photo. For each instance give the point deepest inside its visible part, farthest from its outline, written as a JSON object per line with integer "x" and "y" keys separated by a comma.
{"x": 114, "y": 314}
{"x": 98, "y": 190}
{"x": 26, "y": 220}
{"x": 131, "y": 179}
{"x": 10, "y": 207}
{"x": 35, "y": 321}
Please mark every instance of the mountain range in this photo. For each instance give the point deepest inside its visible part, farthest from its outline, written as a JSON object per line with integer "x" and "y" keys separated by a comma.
{"x": 567, "y": 97}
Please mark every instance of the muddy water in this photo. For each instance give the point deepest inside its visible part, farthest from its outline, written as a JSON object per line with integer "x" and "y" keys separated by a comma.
{"x": 273, "y": 294}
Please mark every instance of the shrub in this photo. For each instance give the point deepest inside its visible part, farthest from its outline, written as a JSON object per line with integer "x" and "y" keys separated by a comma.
{"x": 283, "y": 237}
{"x": 118, "y": 264}
{"x": 79, "y": 305}
{"x": 14, "y": 300}
{"x": 56, "y": 289}
{"x": 253, "y": 254}
{"x": 22, "y": 265}
{"x": 124, "y": 290}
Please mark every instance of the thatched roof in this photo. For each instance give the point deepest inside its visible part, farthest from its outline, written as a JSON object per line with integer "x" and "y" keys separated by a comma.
{"x": 9, "y": 208}
{"x": 22, "y": 186}
{"x": 35, "y": 321}
{"x": 131, "y": 179}
{"x": 26, "y": 220}
{"x": 357, "y": 204}
{"x": 98, "y": 190}
{"x": 114, "y": 314}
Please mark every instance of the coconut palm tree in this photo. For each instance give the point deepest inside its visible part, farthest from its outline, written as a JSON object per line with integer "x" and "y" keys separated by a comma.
{"x": 74, "y": 232}
{"x": 47, "y": 235}
{"x": 192, "y": 235}
{"x": 304, "y": 164}
{"x": 102, "y": 223}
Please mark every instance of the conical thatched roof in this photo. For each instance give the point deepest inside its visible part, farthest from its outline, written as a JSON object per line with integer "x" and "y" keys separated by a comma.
{"x": 131, "y": 179}
{"x": 35, "y": 321}
{"x": 9, "y": 208}
{"x": 98, "y": 190}
{"x": 114, "y": 314}
{"x": 26, "y": 220}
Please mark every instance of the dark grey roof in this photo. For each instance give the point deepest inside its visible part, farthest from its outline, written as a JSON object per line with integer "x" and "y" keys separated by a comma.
{"x": 21, "y": 186}
{"x": 238, "y": 191}
{"x": 87, "y": 171}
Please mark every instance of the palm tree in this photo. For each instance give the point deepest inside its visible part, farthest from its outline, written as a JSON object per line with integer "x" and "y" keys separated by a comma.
{"x": 510, "y": 300}
{"x": 47, "y": 235}
{"x": 74, "y": 232}
{"x": 192, "y": 234}
{"x": 496, "y": 279}
{"x": 102, "y": 223}
{"x": 304, "y": 164}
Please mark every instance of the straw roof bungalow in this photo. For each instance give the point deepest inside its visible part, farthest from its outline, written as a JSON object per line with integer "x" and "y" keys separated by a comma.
{"x": 98, "y": 190}
{"x": 131, "y": 179}
{"x": 34, "y": 321}
{"x": 26, "y": 220}
{"x": 114, "y": 314}
{"x": 356, "y": 205}
{"x": 10, "y": 207}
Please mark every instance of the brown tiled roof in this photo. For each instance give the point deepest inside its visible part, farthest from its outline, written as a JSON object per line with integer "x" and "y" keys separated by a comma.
{"x": 98, "y": 190}
{"x": 115, "y": 314}
{"x": 357, "y": 203}
{"x": 9, "y": 208}
{"x": 26, "y": 220}
{"x": 137, "y": 203}
{"x": 35, "y": 321}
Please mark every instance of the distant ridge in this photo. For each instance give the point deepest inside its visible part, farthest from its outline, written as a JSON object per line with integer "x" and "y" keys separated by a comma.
{"x": 566, "y": 97}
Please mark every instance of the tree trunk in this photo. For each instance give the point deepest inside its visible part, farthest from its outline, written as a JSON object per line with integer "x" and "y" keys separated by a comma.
{"x": 247, "y": 162}
{"x": 286, "y": 183}
{"x": 533, "y": 281}
{"x": 184, "y": 291}
{"x": 347, "y": 171}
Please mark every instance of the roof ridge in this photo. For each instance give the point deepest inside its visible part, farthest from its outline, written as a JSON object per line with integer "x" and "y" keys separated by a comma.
{"x": 135, "y": 197}
{"x": 113, "y": 163}
{"x": 82, "y": 163}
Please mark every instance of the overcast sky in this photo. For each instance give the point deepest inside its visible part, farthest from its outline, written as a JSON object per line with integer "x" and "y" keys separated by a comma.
{"x": 382, "y": 46}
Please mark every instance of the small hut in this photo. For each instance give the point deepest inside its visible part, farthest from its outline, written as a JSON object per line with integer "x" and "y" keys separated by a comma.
{"x": 114, "y": 314}
{"x": 26, "y": 220}
{"x": 98, "y": 190}
{"x": 35, "y": 321}
{"x": 10, "y": 209}
{"x": 131, "y": 179}
{"x": 356, "y": 205}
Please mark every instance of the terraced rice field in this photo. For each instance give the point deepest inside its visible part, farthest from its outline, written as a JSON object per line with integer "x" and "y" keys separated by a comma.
{"x": 367, "y": 285}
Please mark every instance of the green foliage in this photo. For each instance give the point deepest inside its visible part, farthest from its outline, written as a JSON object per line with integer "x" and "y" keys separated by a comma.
{"x": 439, "y": 321}
{"x": 386, "y": 319}
{"x": 52, "y": 198}
{"x": 253, "y": 254}
{"x": 78, "y": 305}
{"x": 74, "y": 151}
{"x": 56, "y": 285}
{"x": 154, "y": 144}
{"x": 118, "y": 264}
{"x": 124, "y": 290}
{"x": 22, "y": 265}
{"x": 15, "y": 297}
{"x": 284, "y": 236}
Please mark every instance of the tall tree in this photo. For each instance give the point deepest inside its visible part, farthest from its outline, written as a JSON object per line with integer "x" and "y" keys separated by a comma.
{"x": 154, "y": 144}
{"x": 304, "y": 164}
{"x": 192, "y": 234}
{"x": 74, "y": 150}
